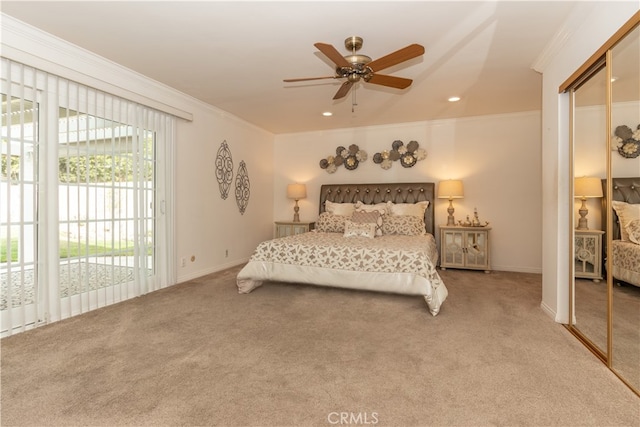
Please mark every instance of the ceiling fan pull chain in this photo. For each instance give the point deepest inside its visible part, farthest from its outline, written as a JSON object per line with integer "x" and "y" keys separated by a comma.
{"x": 353, "y": 99}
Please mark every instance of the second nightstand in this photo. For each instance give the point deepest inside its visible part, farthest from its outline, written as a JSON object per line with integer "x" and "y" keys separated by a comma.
{"x": 288, "y": 228}
{"x": 464, "y": 247}
{"x": 588, "y": 254}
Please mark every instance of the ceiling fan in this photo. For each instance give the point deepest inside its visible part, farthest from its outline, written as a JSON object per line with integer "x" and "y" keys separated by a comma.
{"x": 356, "y": 66}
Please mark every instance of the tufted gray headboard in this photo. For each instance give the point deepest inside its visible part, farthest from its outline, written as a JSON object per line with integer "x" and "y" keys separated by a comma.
{"x": 371, "y": 194}
{"x": 624, "y": 190}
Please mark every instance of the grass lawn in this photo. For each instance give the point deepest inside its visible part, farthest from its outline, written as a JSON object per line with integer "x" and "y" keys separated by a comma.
{"x": 73, "y": 249}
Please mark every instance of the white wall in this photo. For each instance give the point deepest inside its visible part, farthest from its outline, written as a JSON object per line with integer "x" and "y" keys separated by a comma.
{"x": 205, "y": 225}
{"x": 591, "y": 25}
{"x": 498, "y": 158}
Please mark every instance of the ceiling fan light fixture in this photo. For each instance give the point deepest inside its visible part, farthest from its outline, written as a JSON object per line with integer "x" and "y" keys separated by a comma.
{"x": 356, "y": 67}
{"x": 358, "y": 60}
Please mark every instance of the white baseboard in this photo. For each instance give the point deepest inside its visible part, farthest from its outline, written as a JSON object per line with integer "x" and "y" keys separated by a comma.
{"x": 215, "y": 269}
{"x": 550, "y": 312}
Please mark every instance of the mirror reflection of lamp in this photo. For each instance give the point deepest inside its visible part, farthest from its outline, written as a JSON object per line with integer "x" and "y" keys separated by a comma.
{"x": 450, "y": 189}
{"x": 586, "y": 187}
{"x": 296, "y": 192}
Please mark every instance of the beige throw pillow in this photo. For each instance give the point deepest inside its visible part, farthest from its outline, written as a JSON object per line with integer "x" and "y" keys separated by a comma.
{"x": 330, "y": 223}
{"x": 373, "y": 217}
{"x": 626, "y": 213}
{"x": 407, "y": 225}
{"x": 354, "y": 229}
{"x": 633, "y": 229}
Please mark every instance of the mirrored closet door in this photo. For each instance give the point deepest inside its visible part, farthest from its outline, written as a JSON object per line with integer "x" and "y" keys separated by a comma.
{"x": 605, "y": 210}
{"x": 589, "y": 171}
{"x": 625, "y": 186}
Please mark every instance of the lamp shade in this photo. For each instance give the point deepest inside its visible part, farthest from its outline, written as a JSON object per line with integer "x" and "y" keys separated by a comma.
{"x": 587, "y": 187}
{"x": 296, "y": 191}
{"x": 450, "y": 189}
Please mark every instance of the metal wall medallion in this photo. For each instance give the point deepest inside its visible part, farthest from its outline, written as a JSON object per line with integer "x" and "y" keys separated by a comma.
{"x": 242, "y": 187}
{"x": 408, "y": 155}
{"x": 349, "y": 157}
{"x": 224, "y": 169}
{"x": 627, "y": 141}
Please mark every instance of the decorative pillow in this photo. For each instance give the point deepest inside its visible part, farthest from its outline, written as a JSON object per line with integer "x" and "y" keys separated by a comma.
{"x": 408, "y": 225}
{"x": 415, "y": 209}
{"x": 383, "y": 208}
{"x": 345, "y": 209}
{"x": 373, "y": 217}
{"x": 626, "y": 213}
{"x": 633, "y": 229}
{"x": 355, "y": 229}
{"x": 330, "y": 223}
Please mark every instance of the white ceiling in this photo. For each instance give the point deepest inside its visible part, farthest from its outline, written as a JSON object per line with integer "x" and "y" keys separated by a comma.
{"x": 234, "y": 55}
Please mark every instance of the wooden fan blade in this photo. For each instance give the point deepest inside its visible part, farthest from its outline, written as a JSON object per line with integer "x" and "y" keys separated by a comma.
{"x": 391, "y": 81}
{"x": 309, "y": 78}
{"x": 344, "y": 90}
{"x": 396, "y": 57}
{"x": 331, "y": 53}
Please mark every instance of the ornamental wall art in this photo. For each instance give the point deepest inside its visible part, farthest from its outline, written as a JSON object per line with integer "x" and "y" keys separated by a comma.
{"x": 349, "y": 157}
{"x": 627, "y": 141}
{"x": 224, "y": 169}
{"x": 242, "y": 187}
{"x": 408, "y": 155}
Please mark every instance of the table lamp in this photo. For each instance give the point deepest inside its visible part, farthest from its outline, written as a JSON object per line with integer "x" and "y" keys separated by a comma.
{"x": 586, "y": 187}
{"x": 296, "y": 192}
{"x": 450, "y": 189}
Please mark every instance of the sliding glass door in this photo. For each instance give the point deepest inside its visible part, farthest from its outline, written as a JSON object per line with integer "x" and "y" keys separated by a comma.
{"x": 106, "y": 210}
{"x": 85, "y": 183}
{"x": 18, "y": 211}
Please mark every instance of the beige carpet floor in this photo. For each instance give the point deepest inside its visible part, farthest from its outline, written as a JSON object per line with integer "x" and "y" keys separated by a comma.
{"x": 201, "y": 354}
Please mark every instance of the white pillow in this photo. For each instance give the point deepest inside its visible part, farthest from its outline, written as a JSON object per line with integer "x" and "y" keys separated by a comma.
{"x": 626, "y": 213}
{"x": 344, "y": 209}
{"x": 383, "y": 208}
{"x": 414, "y": 209}
{"x": 362, "y": 229}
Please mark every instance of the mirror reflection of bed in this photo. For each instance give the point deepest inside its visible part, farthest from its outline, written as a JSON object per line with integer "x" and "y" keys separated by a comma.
{"x": 625, "y": 259}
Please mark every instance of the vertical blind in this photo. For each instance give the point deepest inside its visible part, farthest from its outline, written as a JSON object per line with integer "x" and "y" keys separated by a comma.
{"x": 86, "y": 199}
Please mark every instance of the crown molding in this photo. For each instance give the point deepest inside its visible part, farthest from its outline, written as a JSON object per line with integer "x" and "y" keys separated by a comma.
{"x": 578, "y": 15}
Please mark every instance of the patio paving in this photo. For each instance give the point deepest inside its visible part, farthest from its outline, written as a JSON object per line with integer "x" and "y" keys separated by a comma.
{"x": 75, "y": 277}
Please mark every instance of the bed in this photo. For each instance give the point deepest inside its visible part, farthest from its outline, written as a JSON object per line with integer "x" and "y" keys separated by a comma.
{"x": 625, "y": 245}
{"x": 386, "y": 244}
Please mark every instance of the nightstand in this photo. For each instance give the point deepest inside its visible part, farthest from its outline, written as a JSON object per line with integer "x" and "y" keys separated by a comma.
{"x": 288, "y": 228}
{"x": 588, "y": 254}
{"x": 464, "y": 247}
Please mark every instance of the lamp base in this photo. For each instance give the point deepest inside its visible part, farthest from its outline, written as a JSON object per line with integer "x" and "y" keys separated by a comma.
{"x": 582, "y": 221}
{"x": 296, "y": 215}
{"x": 451, "y": 220}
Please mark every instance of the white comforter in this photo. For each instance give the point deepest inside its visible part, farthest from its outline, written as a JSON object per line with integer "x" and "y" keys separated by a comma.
{"x": 390, "y": 263}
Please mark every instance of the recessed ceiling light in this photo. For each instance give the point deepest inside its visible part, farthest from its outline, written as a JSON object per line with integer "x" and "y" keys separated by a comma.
{"x": 454, "y": 99}
{"x": 327, "y": 114}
